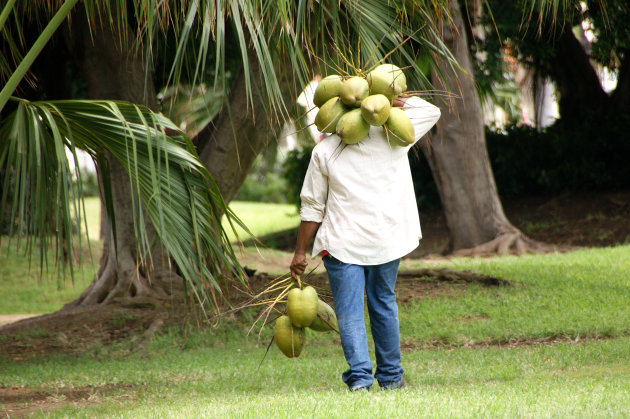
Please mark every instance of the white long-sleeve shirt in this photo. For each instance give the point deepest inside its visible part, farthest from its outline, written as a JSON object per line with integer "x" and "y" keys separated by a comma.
{"x": 363, "y": 196}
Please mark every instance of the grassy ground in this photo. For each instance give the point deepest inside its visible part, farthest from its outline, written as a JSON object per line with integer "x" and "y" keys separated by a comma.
{"x": 262, "y": 218}
{"x": 27, "y": 289}
{"x": 469, "y": 352}
{"x": 554, "y": 344}
{"x": 563, "y": 380}
{"x": 93, "y": 215}
{"x": 582, "y": 293}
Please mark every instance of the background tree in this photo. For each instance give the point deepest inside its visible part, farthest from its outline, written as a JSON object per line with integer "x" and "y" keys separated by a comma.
{"x": 577, "y": 50}
{"x": 459, "y": 159}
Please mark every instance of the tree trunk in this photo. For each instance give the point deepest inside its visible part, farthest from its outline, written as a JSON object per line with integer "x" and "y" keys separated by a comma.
{"x": 229, "y": 146}
{"x": 116, "y": 70}
{"x": 460, "y": 164}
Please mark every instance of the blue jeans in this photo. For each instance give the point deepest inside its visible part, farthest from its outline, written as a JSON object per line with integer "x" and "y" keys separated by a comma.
{"x": 348, "y": 283}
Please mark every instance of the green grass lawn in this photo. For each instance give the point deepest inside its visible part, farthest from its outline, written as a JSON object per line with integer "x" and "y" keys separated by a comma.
{"x": 219, "y": 378}
{"x": 577, "y": 294}
{"x": 469, "y": 352}
{"x": 262, "y": 218}
{"x": 93, "y": 215}
{"x": 27, "y": 289}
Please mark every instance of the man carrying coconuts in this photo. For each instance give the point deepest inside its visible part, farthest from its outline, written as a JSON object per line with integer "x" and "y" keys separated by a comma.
{"x": 359, "y": 204}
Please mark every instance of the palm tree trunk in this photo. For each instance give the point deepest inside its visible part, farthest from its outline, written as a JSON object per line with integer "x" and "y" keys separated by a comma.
{"x": 241, "y": 131}
{"x": 116, "y": 70}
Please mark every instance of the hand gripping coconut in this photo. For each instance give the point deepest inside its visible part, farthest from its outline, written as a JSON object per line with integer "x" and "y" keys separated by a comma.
{"x": 303, "y": 309}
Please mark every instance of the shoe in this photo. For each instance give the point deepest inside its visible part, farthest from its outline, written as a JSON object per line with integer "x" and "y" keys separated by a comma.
{"x": 394, "y": 385}
{"x": 360, "y": 388}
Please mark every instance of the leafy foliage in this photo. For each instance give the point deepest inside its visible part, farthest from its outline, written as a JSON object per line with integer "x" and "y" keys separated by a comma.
{"x": 565, "y": 157}
{"x": 266, "y": 186}
{"x": 562, "y": 158}
{"x": 534, "y": 44}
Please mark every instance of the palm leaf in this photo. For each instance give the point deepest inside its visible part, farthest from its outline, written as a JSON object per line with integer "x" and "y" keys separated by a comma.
{"x": 191, "y": 108}
{"x": 172, "y": 187}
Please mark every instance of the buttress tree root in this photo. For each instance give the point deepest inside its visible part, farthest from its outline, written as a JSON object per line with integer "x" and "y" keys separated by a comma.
{"x": 511, "y": 243}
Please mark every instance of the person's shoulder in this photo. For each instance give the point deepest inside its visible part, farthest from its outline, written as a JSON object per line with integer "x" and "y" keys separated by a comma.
{"x": 325, "y": 149}
{"x": 327, "y": 145}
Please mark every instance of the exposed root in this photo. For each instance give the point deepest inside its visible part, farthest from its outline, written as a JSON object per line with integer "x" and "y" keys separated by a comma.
{"x": 129, "y": 289}
{"x": 512, "y": 243}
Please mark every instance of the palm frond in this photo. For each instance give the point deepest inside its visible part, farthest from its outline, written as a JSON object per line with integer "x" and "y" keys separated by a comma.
{"x": 172, "y": 187}
{"x": 299, "y": 32}
{"x": 191, "y": 108}
{"x": 364, "y": 34}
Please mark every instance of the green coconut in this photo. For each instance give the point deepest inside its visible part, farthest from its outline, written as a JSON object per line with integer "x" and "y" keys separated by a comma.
{"x": 326, "y": 319}
{"x": 327, "y": 89}
{"x": 352, "y": 128}
{"x": 302, "y": 306}
{"x": 375, "y": 109}
{"x": 399, "y": 79}
{"x": 381, "y": 83}
{"x": 329, "y": 114}
{"x": 354, "y": 90}
{"x": 289, "y": 339}
{"x": 399, "y": 128}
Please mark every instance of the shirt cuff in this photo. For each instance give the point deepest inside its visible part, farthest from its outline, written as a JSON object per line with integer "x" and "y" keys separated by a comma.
{"x": 311, "y": 214}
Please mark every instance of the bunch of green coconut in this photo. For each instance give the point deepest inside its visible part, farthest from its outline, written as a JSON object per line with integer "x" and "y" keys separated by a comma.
{"x": 348, "y": 106}
{"x": 304, "y": 309}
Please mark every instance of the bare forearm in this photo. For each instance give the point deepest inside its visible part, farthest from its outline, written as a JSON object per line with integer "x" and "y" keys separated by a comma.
{"x": 306, "y": 232}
